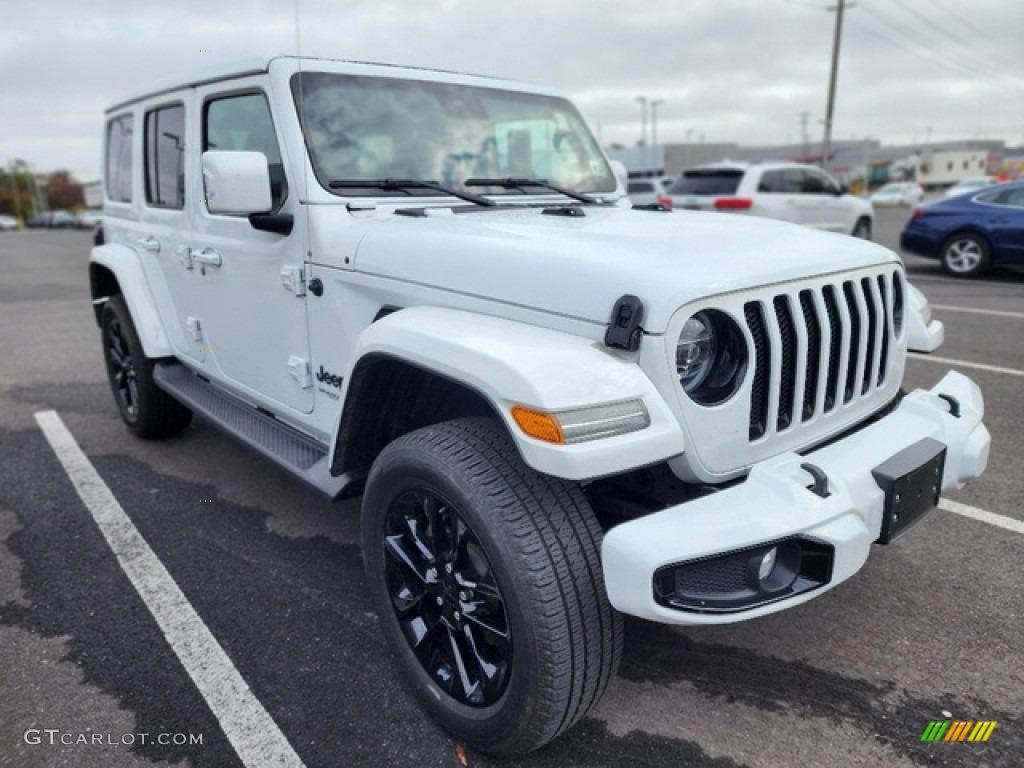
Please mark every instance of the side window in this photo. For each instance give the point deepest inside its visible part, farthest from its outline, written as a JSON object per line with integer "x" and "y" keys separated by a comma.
{"x": 813, "y": 184}
{"x": 1013, "y": 197}
{"x": 792, "y": 182}
{"x": 771, "y": 181}
{"x": 243, "y": 123}
{"x": 165, "y": 157}
{"x": 119, "y": 159}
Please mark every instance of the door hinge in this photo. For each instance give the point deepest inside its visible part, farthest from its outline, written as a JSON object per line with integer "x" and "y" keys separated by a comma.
{"x": 298, "y": 369}
{"x": 294, "y": 279}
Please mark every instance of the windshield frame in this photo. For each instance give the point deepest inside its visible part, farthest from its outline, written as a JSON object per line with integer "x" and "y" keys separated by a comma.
{"x": 362, "y": 127}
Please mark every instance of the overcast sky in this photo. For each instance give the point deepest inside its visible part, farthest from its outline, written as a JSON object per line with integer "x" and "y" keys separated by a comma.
{"x": 726, "y": 70}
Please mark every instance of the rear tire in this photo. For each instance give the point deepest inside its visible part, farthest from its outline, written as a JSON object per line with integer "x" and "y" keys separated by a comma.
{"x": 146, "y": 409}
{"x": 965, "y": 254}
{"x": 487, "y": 580}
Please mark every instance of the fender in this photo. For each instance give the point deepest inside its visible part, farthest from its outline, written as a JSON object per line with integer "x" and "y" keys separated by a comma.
{"x": 511, "y": 363}
{"x": 123, "y": 262}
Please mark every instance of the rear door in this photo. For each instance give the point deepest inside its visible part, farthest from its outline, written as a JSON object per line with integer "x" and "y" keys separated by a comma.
{"x": 164, "y": 217}
{"x": 826, "y": 207}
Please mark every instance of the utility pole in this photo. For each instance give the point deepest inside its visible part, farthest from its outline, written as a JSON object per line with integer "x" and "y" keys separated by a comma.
{"x": 826, "y": 145}
{"x": 643, "y": 131}
{"x": 804, "y": 138}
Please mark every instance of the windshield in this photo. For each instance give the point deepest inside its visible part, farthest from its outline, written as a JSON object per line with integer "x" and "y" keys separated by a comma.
{"x": 360, "y": 128}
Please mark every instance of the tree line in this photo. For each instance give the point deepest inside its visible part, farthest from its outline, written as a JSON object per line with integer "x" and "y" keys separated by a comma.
{"x": 23, "y": 194}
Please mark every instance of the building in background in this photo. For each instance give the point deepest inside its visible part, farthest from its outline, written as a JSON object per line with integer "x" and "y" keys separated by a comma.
{"x": 933, "y": 165}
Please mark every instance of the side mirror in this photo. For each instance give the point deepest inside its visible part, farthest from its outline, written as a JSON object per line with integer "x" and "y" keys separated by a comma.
{"x": 236, "y": 182}
{"x": 842, "y": 190}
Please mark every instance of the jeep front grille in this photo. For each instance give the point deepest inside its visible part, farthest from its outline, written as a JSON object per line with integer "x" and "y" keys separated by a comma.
{"x": 818, "y": 349}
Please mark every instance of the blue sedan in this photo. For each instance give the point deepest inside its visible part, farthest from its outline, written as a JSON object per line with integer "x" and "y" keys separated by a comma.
{"x": 972, "y": 232}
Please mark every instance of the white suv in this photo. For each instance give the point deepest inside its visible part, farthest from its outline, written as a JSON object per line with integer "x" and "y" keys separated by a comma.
{"x": 429, "y": 289}
{"x": 801, "y": 194}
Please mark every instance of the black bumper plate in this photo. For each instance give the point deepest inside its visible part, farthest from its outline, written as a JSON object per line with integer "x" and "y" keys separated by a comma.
{"x": 912, "y": 482}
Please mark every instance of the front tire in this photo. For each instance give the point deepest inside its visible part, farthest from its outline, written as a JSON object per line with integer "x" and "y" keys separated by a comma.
{"x": 965, "y": 255}
{"x": 487, "y": 580}
{"x": 146, "y": 409}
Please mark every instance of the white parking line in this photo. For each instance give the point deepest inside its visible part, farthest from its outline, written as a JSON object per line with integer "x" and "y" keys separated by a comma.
{"x": 250, "y": 729}
{"x": 965, "y": 364}
{"x": 1000, "y": 521}
{"x": 974, "y": 310}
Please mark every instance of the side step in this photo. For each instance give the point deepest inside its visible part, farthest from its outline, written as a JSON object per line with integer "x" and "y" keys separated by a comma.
{"x": 299, "y": 454}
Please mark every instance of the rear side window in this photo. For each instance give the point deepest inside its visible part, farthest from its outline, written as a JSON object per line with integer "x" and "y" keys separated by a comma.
{"x": 119, "y": 159}
{"x": 243, "y": 123}
{"x": 165, "y": 157}
{"x": 708, "y": 181}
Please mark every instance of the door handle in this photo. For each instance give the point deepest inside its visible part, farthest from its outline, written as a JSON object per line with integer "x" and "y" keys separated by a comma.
{"x": 207, "y": 257}
{"x": 150, "y": 244}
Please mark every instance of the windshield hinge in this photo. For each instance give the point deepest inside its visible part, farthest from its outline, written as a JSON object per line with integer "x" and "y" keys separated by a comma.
{"x": 624, "y": 331}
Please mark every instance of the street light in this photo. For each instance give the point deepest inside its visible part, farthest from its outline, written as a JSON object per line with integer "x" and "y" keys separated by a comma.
{"x": 654, "y": 125}
{"x": 643, "y": 129}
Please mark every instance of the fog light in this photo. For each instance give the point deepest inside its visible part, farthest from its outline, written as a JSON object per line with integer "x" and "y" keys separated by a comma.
{"x": 767, "y": 563}
{"x": 776, "y": 568}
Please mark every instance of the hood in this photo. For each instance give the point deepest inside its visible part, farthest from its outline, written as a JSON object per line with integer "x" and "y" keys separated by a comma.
{"x": 578, "y": 266}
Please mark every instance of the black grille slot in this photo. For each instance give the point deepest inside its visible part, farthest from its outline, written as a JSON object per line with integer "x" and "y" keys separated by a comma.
{"x": 872, "y": 313}
{"x": 787, "y": 381}
{"x": 851, "y": 370}
{"x": 813, "y": 352}
{"x": 835, "y": 347}
{"x": 754, "y": 316}
{"x": 884, "y": 352}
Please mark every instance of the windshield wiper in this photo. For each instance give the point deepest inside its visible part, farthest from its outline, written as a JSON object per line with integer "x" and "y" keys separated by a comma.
{"x": 404, "y": 185}
{"x": 516, "y": 183}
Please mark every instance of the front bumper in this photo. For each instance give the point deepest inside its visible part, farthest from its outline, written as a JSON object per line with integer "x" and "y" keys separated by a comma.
{"x": 775, "y": 503}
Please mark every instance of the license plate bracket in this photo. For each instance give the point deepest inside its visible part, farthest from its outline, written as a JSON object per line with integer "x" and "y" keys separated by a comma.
{"x": 912, "y": 482}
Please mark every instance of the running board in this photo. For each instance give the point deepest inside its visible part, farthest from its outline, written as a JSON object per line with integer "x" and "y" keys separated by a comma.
{"x": 298, "y": 454}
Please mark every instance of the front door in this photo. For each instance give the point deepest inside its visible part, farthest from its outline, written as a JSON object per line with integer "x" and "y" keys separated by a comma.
{"x": 249, "y": 289}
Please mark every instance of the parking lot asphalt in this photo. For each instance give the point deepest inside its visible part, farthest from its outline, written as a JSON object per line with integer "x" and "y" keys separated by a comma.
{"x": 929, "y": 630}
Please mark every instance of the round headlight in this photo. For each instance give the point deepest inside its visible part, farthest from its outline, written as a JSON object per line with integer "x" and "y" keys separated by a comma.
{"x": 711, "y": 357}
{"x": 694, "y": 352}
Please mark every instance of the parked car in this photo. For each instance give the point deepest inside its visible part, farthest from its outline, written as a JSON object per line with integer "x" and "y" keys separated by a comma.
{"x": 7, "y": 223}
{"x": 965, "y": 186}
{"x": 970, "y": 233}
{"x": 52, "y": 220}
{"x": 649, "y": 192}
{"x": 898, "y": 193}
{"x": 802, "y": 194}
{"x": 90, "y": 218}
{"x": 533, "y": 386}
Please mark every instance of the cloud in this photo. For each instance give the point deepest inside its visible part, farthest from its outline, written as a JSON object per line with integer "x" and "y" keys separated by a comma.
{"x": 732, "y": 70}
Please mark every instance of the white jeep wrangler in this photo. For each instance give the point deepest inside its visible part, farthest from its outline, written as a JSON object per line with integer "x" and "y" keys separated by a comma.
{"x": 429, "y": 288}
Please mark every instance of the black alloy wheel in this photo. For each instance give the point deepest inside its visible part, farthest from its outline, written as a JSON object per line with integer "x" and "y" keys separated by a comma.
{"x": 446, "y": 599}
{"x": 486, "y": 579}
{"x": 146, "y": 409}
{"x": 122, "y": 371}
